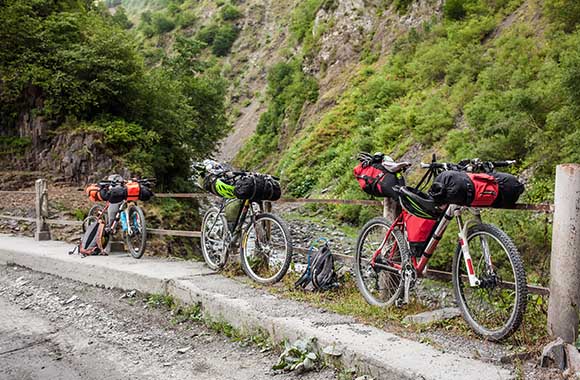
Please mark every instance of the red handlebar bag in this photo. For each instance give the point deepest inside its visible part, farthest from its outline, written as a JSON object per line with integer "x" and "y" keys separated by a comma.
{"x": 94, "y": 192}
{"x": 485, "y": 189}
{"x": 133, "y": 190}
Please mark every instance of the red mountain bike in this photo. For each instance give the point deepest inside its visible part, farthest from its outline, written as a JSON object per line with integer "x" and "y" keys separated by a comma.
{"x": 488, "y": 275}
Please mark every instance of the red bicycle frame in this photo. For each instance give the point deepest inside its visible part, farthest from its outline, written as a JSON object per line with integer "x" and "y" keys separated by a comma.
{"x": 418, "y": 264}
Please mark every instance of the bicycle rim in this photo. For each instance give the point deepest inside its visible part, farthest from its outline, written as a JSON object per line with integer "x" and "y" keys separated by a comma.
{"x": 137, "y": 239}
{"x": 495, "y": 308}
{"x": 214, "y": 232}
{"x": 266, "y": 249}
{"x": 380, "y": 285}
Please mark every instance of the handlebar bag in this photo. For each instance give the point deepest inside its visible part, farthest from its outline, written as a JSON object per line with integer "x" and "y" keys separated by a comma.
{"x": 375, "y": 180}
{"x": 114, "y": 194}
{"x": 452, "y": 187}
{"x": 257, "y": 187}
{"x": 419, "y": 231}
{"x": 485, "y": 188}
{"x": 94, "y": 192}
{"x": 510, "y": 189}
{"x": 138, "y": 192}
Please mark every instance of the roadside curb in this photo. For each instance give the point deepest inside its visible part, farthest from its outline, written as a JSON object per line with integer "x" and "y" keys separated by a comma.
{"x": 378, "y": 353}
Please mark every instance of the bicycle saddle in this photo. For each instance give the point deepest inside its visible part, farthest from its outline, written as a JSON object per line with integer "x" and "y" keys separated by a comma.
{"x": 395, "y": 167}
{"x": 418, "y": 203}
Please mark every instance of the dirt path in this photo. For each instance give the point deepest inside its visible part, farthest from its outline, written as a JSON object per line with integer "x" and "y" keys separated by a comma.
{"x": 53, "y": 328}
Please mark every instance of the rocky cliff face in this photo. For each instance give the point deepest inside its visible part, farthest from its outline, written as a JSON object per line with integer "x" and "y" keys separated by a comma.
{"x": 74, "y": 157}
{"x": 344, "y": 31}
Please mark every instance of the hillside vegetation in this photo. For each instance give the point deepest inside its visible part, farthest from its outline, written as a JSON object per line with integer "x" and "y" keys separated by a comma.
{"x": 69, "y": 67}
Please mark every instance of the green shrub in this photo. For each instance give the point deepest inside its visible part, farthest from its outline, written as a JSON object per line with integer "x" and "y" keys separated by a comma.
{"x": 224, "y": 38}
{"x": 454, "y": 9}
{"x": 162, "y": 23}
{"x": 565, "y": 13}
{"x": 230, "y": 12}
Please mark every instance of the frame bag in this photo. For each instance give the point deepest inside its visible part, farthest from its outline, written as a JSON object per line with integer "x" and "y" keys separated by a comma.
{"x": 419, "y": 231}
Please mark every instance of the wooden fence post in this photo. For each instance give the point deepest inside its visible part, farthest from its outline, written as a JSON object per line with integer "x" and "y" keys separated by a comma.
{"x": 41, "y": 205}
{"x": 391, "y": 209}
{"x": 564, "y": 304}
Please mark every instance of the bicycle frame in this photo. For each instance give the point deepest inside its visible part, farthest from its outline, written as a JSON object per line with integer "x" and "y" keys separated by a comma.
{"x": 114, "y": 223}
{"x": 242, "y": 214}
{"x": 420, "y": 265}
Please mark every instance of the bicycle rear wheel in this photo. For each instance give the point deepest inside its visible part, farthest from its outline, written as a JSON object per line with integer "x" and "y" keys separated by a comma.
{"x": 136, "y": 239}
{"x": 214, "y": 235}
{"x": 380, "y": 284}
{"x": 495, "y": 308}
{"x": 266, "y": 249}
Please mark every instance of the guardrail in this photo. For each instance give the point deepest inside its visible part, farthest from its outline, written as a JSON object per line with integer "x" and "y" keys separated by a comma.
{"x": 564, "y": 309}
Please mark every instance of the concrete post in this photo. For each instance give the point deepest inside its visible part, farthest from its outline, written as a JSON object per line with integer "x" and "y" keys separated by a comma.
{"x": 41, "y": 205}
{"x": 564, "y": 304}
{"x": 391, "y": 209}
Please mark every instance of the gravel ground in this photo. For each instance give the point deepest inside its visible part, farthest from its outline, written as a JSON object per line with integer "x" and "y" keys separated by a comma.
{"x": 53, "y": 328}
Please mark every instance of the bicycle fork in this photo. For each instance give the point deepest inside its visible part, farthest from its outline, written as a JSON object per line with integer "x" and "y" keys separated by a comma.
{"x": 463, "y": 243}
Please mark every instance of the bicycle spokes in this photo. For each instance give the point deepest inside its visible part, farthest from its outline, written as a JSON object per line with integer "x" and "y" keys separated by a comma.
{"x": 491, "y": 301}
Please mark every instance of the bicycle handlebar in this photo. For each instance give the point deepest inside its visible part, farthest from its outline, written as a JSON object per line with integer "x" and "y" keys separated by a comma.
{"x": 469, "y": 165}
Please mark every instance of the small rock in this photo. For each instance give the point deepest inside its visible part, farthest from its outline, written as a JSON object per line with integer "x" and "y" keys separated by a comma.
{"x": 72, "y": 299}
{"x": 167, "y": 364}
{"x": 553, "y": 355}
{"x": 433, "y": 316}
{"x": 184, "y": 350}
{"x": 364, "y": 377}
{"x": 331, "y": 351}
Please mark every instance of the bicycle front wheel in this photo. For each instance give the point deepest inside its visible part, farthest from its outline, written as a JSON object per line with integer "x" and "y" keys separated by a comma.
{"x": 136, "y": 236}
{"x": 266, "y": 250}
{"x": 380, "y": 284}
{"x": 214, "y": 233}
{"x": 494, "y": 308}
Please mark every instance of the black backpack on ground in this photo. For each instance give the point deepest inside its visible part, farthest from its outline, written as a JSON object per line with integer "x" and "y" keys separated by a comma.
{"x": 319, "y": 270}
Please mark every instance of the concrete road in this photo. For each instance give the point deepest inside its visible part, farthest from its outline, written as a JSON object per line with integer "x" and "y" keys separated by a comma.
{"x": 53, "y": 328}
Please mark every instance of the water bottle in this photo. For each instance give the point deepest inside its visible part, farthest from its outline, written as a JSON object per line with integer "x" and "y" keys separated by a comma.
{"x": 124, "y": 221}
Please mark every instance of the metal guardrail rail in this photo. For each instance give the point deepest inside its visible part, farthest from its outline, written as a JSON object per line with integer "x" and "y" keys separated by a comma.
{"x": 436, "y": 274}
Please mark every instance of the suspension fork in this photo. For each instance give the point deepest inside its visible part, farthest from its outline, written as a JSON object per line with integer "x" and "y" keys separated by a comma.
{"x": 463, "y": 243}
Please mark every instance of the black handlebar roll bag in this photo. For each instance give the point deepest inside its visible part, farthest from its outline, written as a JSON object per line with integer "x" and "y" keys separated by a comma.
{"x": 500, "y": 190}
{"x": 452, "y": 187}
{"x": 257, "y": 187}
{"x": 510, "y": 189}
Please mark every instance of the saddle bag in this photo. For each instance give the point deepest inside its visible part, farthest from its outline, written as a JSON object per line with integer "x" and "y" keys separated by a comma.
{"x": 257, "y": 187}
{"x": 375, "y": 180}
